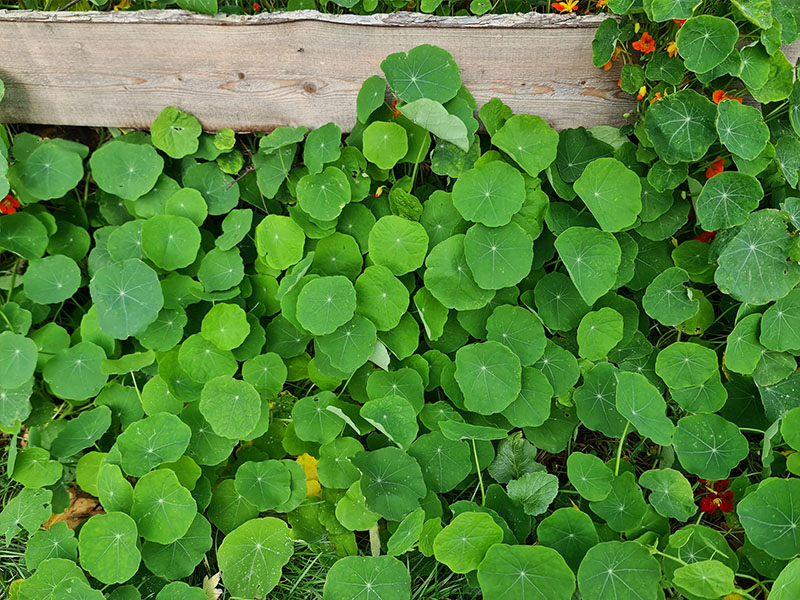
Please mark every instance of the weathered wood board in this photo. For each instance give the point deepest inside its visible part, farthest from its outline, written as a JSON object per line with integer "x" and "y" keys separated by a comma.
{"x": 253, "y": 73}
{"x": 302, "y": 68}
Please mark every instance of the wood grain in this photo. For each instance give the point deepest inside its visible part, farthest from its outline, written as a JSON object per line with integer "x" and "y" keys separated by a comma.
{"x": 254, "y": 73}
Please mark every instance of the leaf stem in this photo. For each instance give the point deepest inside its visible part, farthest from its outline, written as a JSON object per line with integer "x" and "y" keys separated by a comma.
{"x": 13, "y": 280}
{"x": 480, "y": 477}
{"x": 619, "y": 449}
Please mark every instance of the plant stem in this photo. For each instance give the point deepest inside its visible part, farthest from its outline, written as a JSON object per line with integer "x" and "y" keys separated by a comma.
{"x": 619, "y": 449}
{"x": 13, "y": 279}
{"x": 480, "y": 477}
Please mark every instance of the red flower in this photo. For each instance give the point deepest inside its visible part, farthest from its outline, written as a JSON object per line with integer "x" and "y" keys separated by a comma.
{"x": 679, "y": 22}
{"x": 395, "y": 112}
{"x": 720, "y": 95}
{"x": 645, "y": 45}
{"x": 256, "y": 7}
{"x": 706, "y": 237}
{"x": 717, "y": 496}
{"x": 9, "y": 205}
{"x": 717, "y": 167}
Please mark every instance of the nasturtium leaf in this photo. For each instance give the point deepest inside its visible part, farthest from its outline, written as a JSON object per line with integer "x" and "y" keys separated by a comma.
{"x": 406, "y": 383}
{"x": 498, "y": 257}
{"x": 519, "y": 329}
{"x": 266, "y": 373}
{"x": 444, "y": 463}
{"x": 449, "y": 279}
{"x": 744, "y": 350}
{"x": 368, "y": 578}
{"x": 407, "y": 533}
{"x": 162, "y": 508}
{"x": 114, "y": 491}
{"x": 642, "y": 404}
{"x": 393, "y": 416}
{"x": 489, "y": 375}
{"x": 525, "y": 573}
{"x": 176, "y": 133}
{"x": 619, "y": 571}
{"x": 742, "y": 129}
{"x": 463, "y": 544}
{"x": 787, "y": 585}
{"x": 592, "y": 258}
{"x": 202, "y": 361}
{"x": 433, "y": 116}
{"x": 232, "y": 407}
{"x": 34, "y": 469}
{"x": 58, "y": 541}
{"x": 535, "y": 491}
{"x": 23, "y": 234}
{"x": 381, "y": 297}
{"x": 671, "y": 493}
{"x": 529, "y": 140}
{"x": 727, "y": 199}
{"x": 596, "y": 402}
{"x": 589, "y": 475}
{"x": 384, "y": 145}
{"x": 52, "y": 279}
{"x": 558, "y": 302}
{"x": 753, "y": 266}
{"x": 75, "y": 374}
{"x": 682, "y": 126}
{"x": 281, "y": 240}
{"x": 128, "y": 297}
{"x": 325, "y": 304}
{"x": 624, "y": 507}
{"x": 228, "y": 509}
{"x": 770, "y": 516}
{"x": 391, "y": 482}
{"x": 599, "y": 332}
{"x": 686, "y": 364}
{"x": 265, "y": 484}
{"x": 154, "y": 440}
{"x": 18, "y": 356}
{"x": 226, "y": 326}
{"x": 371, "y": 96}
{"x": 425, "y": 72}
{"x": 108, "y": 546}
{"x": 81, "y": 432}
{"x": 127, "y": 170}
{"x": 179, "y": 558}
{"x": 706, "y": 579}
{"x": 705, "y": 41}
{"x": 490, "y": 193}
{"x": 349, "y": 346}
{"x": 708, "y": 397}
{"x": 780, "y": 324}
{"x": 668, "y": 300}
{"x": 323, "y": 195}
{"x": 170, "y": 241}
{"x": 50, "y": 171}
{"x": 790, "y": 428}
{"x": 27, "y": 510}
{"x": 398, "y": 244}
{"x": 252, "y": 556}
{"x": 313, "y": 421}
{"x": 48, "y": 577}
{"x": 612, "y": 192}
{"x": 323, "y": 145}
{"x": 709, "y": 446}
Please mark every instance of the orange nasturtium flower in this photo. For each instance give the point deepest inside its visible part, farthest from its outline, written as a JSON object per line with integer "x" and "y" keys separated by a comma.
{"x": 567, "y": 6}
{"x": 720, "y": 95}
{"x": 642, "y": 92}
{"x": 657, "y": 97}
{"x": 717, "y": 167}
{"x": 601, "y": 3}
{"x": 679, "y": 22}
{"x": 8, "y": 205}
{"x": 614, "y": 57}
{"x": 672, "y": 49}
{"x": 646, "y": 45}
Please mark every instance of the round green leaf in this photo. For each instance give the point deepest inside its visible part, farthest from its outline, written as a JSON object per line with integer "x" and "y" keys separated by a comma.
{"x": 179, "y": 559}
{"x": 596, "y": 401}
{"x": 445, "y": 463}
{"x": 325, "y": 304}
{"x": 449, "y": 279}
{"x": 771, "y": 517}
{"x": 558, "y": 302}
{"x": 619, "y": 571}
{"x": 34, "y": 469}
{"x": 624, "y": 508}
{"x": 529, "y": 140}
{"x": 128, "y": 297}
{"x": 391, "y": 482}
{"x": 108, "y": 547}
{"x": 425, "y": 72}
{"x": 393, "y": 416}
{"x": 313, "y": 421}
{"x": 176, "y": 133}
{"x": 351, "y": 345}
{"x": 57, "y": 542}
{"x": 498, "y": 257}
{"x": 323, "y": 195}
{"x": 520, "y": 330}
{"x": 281, "y": 240}
{"x": 489, "y": 375}
{"x": 381, "y": 297}
{"x": 489, "y": 194}
{"x": 532, "y": 407}
{"x": 52, "y": 279}
{"x": 252, "y": 557}
{"x": 398, "y": 244}
{"x": 152, "y": 441}
{"x": 226, "y": 326}
{"x": 81, "y": 432}
{"x": 780, "y": 324}
{"x": 535, "y": 491}
{"x": 682, "y": 126}
{"x": 170, "y": 241}
{"x": 162, "y": 508}
{"x": 384, "y": 144}
{"x": 612, "y": 192}
{"x": 569, "y": 532}
{"x": 368, "y": 577}
{"x": 265, "y": 484}
{"x": 642, "y": 404}
{"x": 743, "y": 351}
{"x": 75, "y": 374}
{"x": 127, "y": 170}
{"x": 741, "y": 129}
{"x": 18, "y": 356}
{"x": 709, "y": 446}
{"x": 589, "y": 475}
{"x": 50, "y": 171}
{"x": 787, "y": 585}
{"x": 685, "y": 364}
{"x": 668, "y": 300}
{"x": 592, "y": 258}
{"x": 525, "y": 573}
{"x": 705, "y": 41}
{"x": 671, "y": 493}
{"x": 464, "y": 542}
{"x": 232, "y": 407}
{"x": 599, "y": 332}
{"x": 727, "y": 199}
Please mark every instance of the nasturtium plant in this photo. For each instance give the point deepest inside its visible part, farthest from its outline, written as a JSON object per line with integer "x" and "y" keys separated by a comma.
{"x": 452, "y": 344}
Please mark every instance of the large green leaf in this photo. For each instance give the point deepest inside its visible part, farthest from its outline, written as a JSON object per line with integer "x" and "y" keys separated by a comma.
{"x": 592, "y": 258}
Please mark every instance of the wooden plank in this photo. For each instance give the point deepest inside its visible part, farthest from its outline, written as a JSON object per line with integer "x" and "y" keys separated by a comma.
{"x": 253, "y": 73}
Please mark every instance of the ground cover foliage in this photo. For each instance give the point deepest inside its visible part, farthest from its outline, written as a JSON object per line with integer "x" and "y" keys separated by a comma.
{"x": 539, "y": 365}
